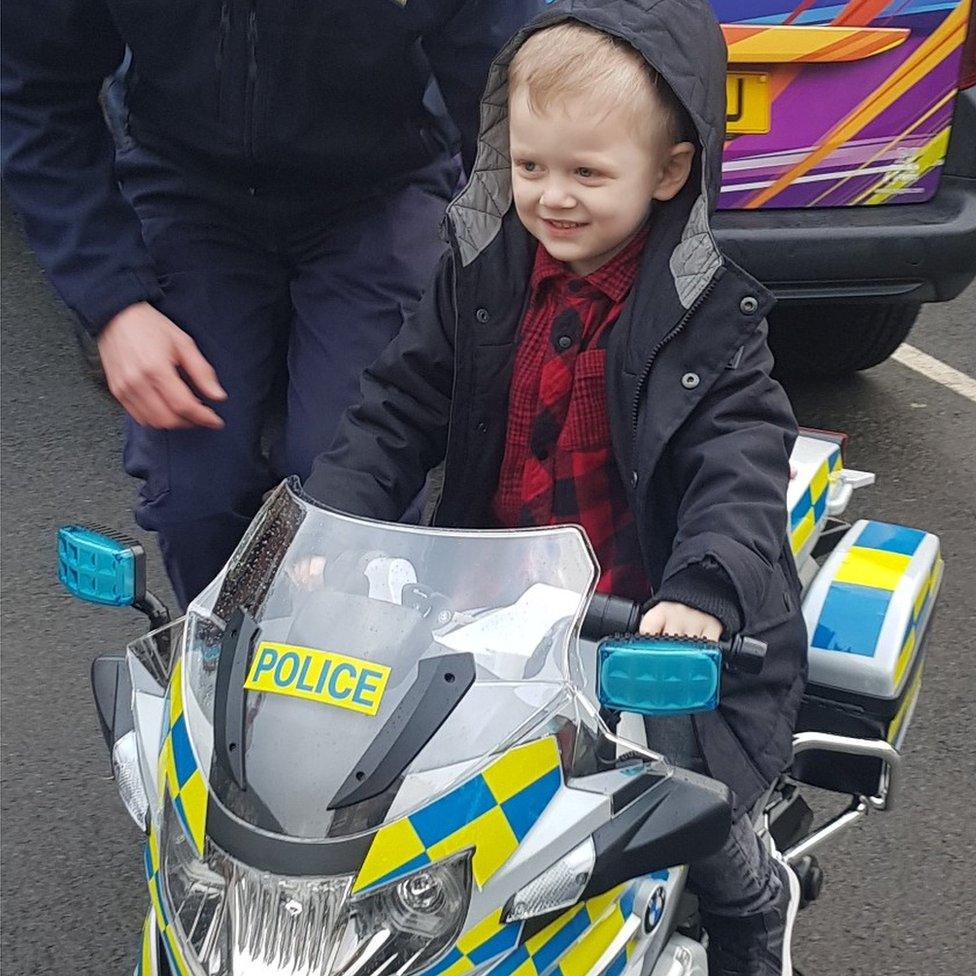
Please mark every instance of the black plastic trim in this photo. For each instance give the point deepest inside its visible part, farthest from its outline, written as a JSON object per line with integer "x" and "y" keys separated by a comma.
{"x": 236, "y": 648}
{"x": 281, "y": 855}
{"x": 440, "y": 685}
{"x": 683, "y": 818}
{"x": 633, "y": 788}
{"x": 112, "y": 691}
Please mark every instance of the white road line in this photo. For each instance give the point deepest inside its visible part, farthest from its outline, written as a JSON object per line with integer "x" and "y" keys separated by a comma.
{"x": 935, "y": 369}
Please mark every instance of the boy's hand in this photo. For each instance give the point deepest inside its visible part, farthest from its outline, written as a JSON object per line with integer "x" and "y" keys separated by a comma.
{"x": 677, "y": 620}
{"x": 307, "y": 573}
{"x": 145, "y": 357}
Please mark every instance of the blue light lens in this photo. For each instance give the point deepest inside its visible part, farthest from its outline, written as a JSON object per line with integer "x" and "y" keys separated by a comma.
{"x": 657, "y": 676}
{"x": 95, "y": 568}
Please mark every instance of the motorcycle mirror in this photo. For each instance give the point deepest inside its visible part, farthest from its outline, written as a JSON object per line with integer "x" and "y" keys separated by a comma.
{"x": 101, "y": 566}
{"x": 658, "y": 675}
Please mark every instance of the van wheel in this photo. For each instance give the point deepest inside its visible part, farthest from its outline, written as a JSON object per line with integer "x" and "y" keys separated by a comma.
{"x": 834, "y": 340}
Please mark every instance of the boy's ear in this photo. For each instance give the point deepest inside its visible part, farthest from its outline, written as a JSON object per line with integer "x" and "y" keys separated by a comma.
{"x": 675, "y": 169}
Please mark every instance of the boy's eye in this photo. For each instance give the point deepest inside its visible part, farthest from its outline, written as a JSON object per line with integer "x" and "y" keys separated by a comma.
{"x": 585, "y": 172}
{"x": 527, "y": 165}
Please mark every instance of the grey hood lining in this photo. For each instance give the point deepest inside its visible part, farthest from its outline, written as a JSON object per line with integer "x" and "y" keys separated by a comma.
{"x": 476, "y": 214}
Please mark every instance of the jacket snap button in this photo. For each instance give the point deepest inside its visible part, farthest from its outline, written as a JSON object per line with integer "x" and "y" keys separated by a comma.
{"x": 481, "y": 315}
{"x": 633, "y": 479}
{"x": 748, "y": 305}
{"x": 690, "y": 380}
{"x": 482, "y": 426}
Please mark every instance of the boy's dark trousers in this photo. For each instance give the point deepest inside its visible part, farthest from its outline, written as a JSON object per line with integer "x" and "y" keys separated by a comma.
{"x": 269, "y": 283}
{"x": 737, "y": 880}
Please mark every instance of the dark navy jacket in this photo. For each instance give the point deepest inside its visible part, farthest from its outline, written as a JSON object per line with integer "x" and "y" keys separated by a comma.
{"x": 319, "y": 95}
{"x": 701, "y": 433}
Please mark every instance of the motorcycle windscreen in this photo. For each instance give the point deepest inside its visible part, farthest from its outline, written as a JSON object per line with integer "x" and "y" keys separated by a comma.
{"x": 342, "y": 673}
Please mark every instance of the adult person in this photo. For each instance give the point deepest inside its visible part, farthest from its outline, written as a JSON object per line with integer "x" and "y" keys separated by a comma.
{"x": 272, "y": 196}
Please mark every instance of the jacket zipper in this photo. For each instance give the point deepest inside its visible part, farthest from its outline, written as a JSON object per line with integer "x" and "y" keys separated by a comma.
{"x": 221, "y": 46}
{"x": 454, "y": 380}
{"x": 252, "y": 77}
{"x": 646, "y": 371}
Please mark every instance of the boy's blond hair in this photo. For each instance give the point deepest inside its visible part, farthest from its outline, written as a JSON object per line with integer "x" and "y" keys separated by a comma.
{"x": 571, "y": 59}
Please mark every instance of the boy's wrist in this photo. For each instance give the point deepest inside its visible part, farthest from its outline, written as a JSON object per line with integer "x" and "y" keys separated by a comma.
{"x": 706, "y": 587}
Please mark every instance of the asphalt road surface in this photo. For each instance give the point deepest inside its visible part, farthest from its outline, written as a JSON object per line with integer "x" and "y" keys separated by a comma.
{"x": 899, "y": 894}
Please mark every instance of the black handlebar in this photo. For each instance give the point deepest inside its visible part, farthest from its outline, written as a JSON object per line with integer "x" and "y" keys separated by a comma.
{"x": 607, "y": 616}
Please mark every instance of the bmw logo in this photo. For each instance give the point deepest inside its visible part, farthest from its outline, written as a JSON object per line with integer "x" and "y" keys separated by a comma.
{"x": 655, "y": 908}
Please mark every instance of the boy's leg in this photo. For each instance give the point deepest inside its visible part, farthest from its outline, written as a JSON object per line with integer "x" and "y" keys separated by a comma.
{"x": 201, "y": 487}
{"x": 350, "y": 293}
{"x": 748, "y": 900}
{"x": 748, "y": 897}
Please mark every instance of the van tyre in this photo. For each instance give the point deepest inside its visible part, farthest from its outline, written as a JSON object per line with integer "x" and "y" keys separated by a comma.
{"x": 835, "y": 340}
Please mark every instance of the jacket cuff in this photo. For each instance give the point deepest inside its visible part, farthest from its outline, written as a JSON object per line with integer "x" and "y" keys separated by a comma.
{"x": 101, "y": 305}
{"x": 703, "y": 586}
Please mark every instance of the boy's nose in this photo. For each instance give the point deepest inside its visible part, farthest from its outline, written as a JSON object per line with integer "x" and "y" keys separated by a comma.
{"x": 557, "y": 197}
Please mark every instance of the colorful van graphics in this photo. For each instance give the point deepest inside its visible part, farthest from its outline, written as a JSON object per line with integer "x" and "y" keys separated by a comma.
{"x": 838, "y": 104}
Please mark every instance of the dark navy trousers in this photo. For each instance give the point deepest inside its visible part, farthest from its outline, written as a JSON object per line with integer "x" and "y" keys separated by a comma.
{"x": 288, "y": 294}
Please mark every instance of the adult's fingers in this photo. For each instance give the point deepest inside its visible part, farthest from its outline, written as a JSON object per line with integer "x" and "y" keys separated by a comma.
{"x": 198, "y": 369}
{"x": 184, "y": 408}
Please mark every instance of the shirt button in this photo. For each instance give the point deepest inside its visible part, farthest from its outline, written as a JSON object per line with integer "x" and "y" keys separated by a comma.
{"x": 690, "y": 380}
{"x": 748, "y": 305}
{"x": 564, "y": 342}
{"x": 633, "y": 479}
{"x": 575, "y": 285}
{"x": 481, "y": 315}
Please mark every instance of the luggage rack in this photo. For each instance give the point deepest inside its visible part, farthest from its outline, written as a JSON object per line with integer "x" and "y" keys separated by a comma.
{"x": 861, "y": 805}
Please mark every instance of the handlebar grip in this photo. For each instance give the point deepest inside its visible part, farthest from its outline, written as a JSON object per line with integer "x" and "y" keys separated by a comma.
{"x": 609, "y": 615}
{"x": 745, "y": 654}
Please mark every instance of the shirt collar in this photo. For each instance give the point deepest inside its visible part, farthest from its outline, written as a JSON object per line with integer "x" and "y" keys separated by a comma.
{"x": 614, "y": 279}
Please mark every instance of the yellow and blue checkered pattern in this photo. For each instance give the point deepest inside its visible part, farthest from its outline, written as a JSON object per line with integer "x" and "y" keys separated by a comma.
{"x": 573, "y": 943}
{"x": 568, "y": 946}
{"x": 178, "y": 770}
{"x": 854, "y": 609}
{"x": 811, "y": 509}
{"x": 145, "y": 965}
{"x": 155, "y": 883}
{"x": 490, "y": 813}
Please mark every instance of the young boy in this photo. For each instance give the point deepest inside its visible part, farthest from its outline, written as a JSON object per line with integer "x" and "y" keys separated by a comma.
{"x": 587, "y": 355}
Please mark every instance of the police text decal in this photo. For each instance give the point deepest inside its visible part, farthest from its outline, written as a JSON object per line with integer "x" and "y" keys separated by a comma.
{"x": 322, "y": 676}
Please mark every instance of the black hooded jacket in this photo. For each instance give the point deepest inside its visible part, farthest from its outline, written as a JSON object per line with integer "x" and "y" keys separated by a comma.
{"x": 700, "y": 432}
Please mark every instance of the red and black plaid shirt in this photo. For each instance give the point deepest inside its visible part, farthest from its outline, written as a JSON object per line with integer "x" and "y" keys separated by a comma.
{"x": 558, "y": 465}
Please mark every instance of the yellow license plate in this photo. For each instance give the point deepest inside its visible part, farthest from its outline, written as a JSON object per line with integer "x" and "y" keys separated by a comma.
{"x": 747, "y": 103}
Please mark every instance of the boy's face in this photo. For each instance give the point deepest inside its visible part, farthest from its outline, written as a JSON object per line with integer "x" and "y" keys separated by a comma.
{"x": 583, "y": 179}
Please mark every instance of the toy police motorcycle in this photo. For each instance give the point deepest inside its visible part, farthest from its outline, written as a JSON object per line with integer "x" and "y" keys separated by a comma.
{"x": 411, "y": 769}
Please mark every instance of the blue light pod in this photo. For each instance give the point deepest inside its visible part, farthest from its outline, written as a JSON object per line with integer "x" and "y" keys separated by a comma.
{"x": 659, "y": 675}
{"x": 99, "y": 567}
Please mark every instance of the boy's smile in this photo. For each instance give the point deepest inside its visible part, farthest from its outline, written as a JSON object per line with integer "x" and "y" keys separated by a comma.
{"x": 583, "y": 180}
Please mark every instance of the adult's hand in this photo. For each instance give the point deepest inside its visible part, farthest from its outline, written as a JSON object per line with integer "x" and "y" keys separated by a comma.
{"x": 143, "y": 354}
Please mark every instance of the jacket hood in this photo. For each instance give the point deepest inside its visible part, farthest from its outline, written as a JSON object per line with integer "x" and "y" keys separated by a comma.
{"x": 682, "y": 42}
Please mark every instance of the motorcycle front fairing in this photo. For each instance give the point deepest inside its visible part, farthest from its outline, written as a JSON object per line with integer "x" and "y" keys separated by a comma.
{"x": 369, "y": 769}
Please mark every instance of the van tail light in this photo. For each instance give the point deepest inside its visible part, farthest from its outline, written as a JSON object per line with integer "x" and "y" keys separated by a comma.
{"x": 967, "y": 74}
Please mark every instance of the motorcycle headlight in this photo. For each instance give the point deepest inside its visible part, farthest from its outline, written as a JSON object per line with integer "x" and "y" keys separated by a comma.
{"x": 232, "y": 920}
